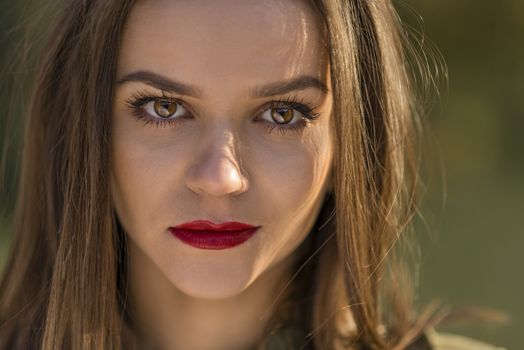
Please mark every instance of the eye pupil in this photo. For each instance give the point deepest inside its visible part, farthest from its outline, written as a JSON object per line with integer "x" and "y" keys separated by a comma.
{"x": 282, "y": 115}
{"x": 165, "y": 109}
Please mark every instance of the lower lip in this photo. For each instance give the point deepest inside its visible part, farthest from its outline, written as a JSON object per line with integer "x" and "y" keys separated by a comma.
{"x": 213, "y": 239}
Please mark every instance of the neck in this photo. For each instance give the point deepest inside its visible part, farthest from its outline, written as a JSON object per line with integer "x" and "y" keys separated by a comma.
{"x": 167, "y": 318}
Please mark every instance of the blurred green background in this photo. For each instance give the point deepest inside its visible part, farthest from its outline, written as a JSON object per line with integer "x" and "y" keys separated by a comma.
{"x": 478, "y": 215}
{"x": 472, "y": 254}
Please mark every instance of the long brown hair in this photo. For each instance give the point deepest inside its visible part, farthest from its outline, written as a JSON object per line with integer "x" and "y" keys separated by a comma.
{"x": 64, "y": 283}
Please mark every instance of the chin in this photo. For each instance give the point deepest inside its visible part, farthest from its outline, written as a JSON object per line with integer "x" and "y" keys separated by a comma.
{"x": 211, "y": 282}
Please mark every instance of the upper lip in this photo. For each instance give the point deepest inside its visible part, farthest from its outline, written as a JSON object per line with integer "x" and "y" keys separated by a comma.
{"x": 208, "y": 225}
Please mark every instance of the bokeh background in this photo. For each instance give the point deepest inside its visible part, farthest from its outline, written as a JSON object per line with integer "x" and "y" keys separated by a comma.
{"x": 478, "y": 214}
{"x": 472, "y": 234}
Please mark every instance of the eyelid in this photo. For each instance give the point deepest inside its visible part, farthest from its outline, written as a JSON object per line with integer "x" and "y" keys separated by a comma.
{"x": 140, "y": 98}
{"x": 293, "y": 102}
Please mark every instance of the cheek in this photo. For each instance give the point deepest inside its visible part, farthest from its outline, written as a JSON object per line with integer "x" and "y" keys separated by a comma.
{"x": 298, "y": 171}
{"x": 144, "y": 174}
{"x": 293, "y": 187}
{"x": 288, "y": 177}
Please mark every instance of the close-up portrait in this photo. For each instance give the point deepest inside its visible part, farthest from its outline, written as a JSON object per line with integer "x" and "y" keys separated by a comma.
{"x": 261, "y": 175}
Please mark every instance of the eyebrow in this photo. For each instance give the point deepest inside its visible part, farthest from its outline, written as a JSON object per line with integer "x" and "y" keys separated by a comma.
{"x": 272, "y": 89}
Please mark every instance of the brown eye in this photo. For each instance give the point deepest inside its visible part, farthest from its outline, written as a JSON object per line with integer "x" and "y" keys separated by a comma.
{"x": 164, "y": 108}
{"x": 282, "y": 115}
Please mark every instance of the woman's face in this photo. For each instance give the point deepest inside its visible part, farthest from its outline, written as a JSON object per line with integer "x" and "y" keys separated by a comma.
{"x": 211, "y": 122}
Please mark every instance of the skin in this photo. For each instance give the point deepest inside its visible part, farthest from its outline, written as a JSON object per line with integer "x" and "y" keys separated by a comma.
{"x": 217, "y": 163}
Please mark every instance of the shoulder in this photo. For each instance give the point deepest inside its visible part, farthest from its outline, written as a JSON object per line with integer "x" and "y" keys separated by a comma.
{"x": 445, "y": 341}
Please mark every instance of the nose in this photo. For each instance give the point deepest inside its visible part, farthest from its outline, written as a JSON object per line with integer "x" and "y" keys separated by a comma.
{"x": 216, "y": 172}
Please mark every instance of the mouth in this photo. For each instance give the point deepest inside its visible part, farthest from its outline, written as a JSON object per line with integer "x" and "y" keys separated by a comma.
{"x": 205, "y": 234}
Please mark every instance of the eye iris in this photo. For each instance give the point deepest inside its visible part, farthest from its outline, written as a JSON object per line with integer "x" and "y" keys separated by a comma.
{"x": 165, "y": 109}
{"x": 282, "y": 115}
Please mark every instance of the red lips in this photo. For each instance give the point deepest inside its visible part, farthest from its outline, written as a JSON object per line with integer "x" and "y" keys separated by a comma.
{"x": 205, "y": 234}
{"x": 208, "y": 225}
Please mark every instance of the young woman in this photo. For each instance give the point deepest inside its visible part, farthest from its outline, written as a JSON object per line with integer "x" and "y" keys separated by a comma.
{"x": 217, "y": 175}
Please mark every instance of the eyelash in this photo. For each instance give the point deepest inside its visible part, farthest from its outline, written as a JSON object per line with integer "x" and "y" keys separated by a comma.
{"x": 139, "y": 99}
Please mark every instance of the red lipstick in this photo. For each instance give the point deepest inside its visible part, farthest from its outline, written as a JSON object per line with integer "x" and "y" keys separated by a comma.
{"x": 205, "y": 234}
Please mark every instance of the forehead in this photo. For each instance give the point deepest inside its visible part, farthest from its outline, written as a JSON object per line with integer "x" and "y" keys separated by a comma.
{"x": 224, "y": 41}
